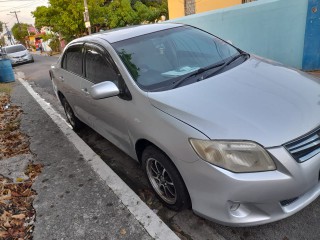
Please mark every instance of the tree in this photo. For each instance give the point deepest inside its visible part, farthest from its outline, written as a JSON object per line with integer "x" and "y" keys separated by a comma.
{"x": 1, "y": 26}
{"x": 160, "y": 5}
{"x": 2, "y": 42}
{"x": 121, "y": 13}
{"x": 66, "y": 16}
{"x": 20, "y": 31}
{"x": 53, "y": 40}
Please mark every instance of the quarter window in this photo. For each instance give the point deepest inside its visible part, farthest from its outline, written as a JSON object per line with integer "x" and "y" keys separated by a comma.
{"x": 98, "y": 68}
{"x": 72, "y": 60}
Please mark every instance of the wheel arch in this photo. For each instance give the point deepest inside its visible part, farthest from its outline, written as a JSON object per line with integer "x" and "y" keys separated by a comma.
{"x": 61, "y": 96}
{"x": 142, "y": 144}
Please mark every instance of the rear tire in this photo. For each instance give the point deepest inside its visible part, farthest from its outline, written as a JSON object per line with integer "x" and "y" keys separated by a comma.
{"x": 71, "y": 117}
{"x": 165, "y": 179}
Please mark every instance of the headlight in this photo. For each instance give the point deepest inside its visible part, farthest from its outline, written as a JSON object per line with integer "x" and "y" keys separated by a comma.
{"x": 235, "y": 156}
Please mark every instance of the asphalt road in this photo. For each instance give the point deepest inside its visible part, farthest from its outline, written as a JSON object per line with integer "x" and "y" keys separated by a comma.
{"x": 303, "y": 225}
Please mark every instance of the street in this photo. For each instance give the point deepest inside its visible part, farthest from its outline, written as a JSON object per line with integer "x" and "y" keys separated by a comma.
{"x": 303, "y": 225}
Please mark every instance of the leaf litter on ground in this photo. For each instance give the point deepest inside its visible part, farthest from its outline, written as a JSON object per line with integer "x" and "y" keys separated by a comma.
{"x": 16, "y": 210}
{"x": 12, "y": 141}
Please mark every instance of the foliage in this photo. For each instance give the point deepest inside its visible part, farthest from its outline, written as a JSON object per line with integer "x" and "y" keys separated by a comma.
{"x": 145, "y": 13}
{"x": 1, "y": 26}
{"x": 2, "y": 43}
{"x": 46, "y": 37}
{"x": 19, "y": 31}
{"x": 55, "y": 44}
{"x": 121, "y": 13}
{"x": 160, "y": 5}
{"x": 53, "y": 39}
{"x": 66, "y": 16}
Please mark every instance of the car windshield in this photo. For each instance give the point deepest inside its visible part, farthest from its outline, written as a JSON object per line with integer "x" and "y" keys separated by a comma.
{"x": 157, "y": 60}
{"x": 13, "y": 49}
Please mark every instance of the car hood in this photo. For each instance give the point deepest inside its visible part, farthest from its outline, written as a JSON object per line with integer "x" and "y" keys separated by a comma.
{"x": 18, "y": 54}
{"x": 258, "y": 100}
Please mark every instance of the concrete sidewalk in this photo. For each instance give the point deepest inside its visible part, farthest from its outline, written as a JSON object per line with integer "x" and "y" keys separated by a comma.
{"x": 74, "y": 201}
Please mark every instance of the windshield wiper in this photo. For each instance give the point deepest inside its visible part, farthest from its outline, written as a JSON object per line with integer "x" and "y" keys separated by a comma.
{"x": 220, "y": 66}
{"x": 241, "y": 54}
{"x": 192, "y": 74}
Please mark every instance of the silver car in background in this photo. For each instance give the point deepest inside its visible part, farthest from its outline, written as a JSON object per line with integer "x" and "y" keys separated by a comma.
{"x": 234, "y": 136}
{"x": 17, "y": 54}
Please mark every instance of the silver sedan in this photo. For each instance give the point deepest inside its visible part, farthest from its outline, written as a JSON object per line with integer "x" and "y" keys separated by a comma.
{"x": 17, "y": 54}
{"x": 234, "y": 136}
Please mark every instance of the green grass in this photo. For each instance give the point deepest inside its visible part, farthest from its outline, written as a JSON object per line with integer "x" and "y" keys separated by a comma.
{"x": 6, "y": 87}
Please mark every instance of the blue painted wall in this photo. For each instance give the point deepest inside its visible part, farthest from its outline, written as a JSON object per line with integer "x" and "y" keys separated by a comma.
{"x": 273, "y": 29}
{"x": 311, "y": 53}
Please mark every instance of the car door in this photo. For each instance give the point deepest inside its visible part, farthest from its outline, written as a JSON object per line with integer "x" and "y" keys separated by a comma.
{"x": 69, "y": 78}
{"x": 108, "y": 115}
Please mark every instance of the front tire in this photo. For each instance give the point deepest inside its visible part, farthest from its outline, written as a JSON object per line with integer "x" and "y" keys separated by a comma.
{"x": 71, "y": 117}
{"x": 165, "y": 179}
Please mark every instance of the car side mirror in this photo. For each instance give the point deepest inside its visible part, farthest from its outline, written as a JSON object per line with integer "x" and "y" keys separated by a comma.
{"x": 104, "y": 90}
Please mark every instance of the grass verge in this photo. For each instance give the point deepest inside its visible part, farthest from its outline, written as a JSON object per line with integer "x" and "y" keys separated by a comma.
{"x": 6, "y": 87}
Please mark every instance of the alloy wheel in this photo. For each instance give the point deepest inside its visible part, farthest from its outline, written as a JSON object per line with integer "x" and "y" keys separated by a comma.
{"x": 161, "y": 181}
{"x": 69, "y": 114}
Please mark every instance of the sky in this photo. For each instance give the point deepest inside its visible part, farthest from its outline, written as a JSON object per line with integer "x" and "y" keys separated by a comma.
{"x": 24, "y": 6}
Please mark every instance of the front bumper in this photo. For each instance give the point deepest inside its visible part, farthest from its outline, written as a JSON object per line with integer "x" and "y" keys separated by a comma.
{"x": 247, "y": 199}
{"x": 21, "y": 60}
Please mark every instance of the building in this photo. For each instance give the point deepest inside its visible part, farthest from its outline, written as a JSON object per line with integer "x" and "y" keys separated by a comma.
{"x": 180, "y": 8}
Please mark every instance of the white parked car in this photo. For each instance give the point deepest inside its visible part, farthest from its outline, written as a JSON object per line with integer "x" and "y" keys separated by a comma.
{"x": 17, "y": 54}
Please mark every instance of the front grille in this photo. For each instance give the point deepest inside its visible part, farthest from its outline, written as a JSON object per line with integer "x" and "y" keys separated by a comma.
{"x": 21, "y": 56}
{"x": 306, "y": 147}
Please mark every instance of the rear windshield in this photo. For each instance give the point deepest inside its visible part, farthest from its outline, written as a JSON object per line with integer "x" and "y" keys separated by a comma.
{"x": 13, "y": 49}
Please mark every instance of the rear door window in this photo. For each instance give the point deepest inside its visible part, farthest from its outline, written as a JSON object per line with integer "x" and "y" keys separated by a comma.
{"x": 73, "y": 60}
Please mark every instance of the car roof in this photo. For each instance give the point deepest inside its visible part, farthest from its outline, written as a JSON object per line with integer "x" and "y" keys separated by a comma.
{"x": 12, "y": 45}
{"x": 119, "y": 34}
{"x": 6, "y": 47}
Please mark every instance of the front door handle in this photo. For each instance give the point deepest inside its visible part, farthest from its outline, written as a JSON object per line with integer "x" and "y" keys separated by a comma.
{"x": 85, "y": 90}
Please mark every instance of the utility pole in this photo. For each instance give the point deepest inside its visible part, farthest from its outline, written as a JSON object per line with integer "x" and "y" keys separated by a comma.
{"x": 86, "y": 17}
{"x": 15, "y": 12}
{"x": 8, "y": 33}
